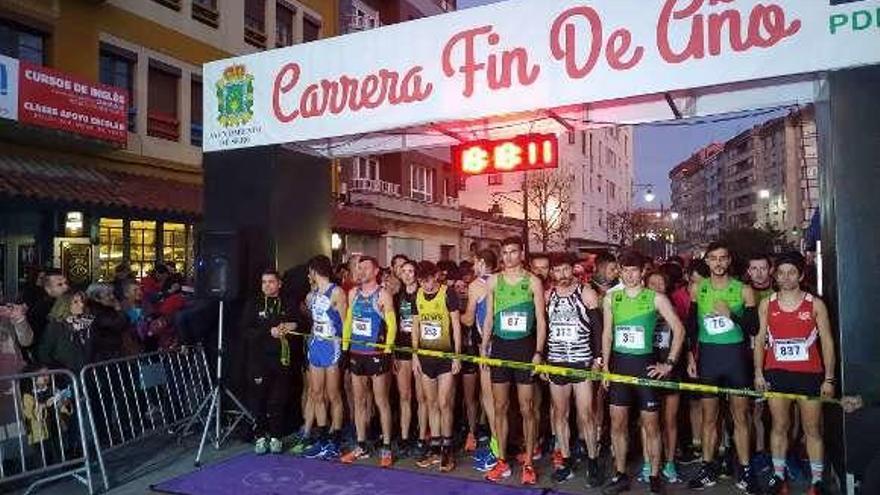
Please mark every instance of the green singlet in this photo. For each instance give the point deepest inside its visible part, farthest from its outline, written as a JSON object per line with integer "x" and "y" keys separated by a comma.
{"x": 633, "y": 322}
{"x": 714, "y": 328}
{"x": 513, "y": 308}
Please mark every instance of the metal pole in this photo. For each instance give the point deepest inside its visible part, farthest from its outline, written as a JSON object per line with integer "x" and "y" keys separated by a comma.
{"x": 219, "y": 398}
{"x": 525, "y": 202}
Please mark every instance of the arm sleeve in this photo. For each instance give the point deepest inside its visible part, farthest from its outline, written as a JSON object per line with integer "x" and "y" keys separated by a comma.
{"x": 748, "y": 321}
{"x": 346, "y": 329}
{"x": 691, "y": 327}
{"x": 391, "y": 328}
{"x": 595, "y": 316}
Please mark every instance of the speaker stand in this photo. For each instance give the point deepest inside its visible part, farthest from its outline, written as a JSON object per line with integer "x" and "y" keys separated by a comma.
{"x": 214, "y": 403}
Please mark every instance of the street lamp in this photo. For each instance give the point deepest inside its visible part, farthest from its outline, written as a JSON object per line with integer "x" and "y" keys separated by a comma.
{"x": 764, "y": 194}
{"x": 674, "y": 215}
{"x": 649, "y": 191}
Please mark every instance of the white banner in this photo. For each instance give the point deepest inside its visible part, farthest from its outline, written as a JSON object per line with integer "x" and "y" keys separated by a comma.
{"x": 523, "y": 55}
{"x": 8, "y": 88}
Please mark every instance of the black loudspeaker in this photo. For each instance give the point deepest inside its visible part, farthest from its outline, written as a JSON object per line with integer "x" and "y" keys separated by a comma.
{"x": 218, "y": 274}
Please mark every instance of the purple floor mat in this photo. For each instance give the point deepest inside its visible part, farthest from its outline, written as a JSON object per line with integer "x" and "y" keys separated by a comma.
{"x": 273, "y": 474}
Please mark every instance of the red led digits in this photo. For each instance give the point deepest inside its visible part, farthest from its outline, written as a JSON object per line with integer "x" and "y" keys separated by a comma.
{"x": 526, "y": 152}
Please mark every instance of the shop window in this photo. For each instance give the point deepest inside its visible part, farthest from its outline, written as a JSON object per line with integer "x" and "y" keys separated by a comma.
{"x": 177, "y": 246}
{"x": 19, "y": 42}
{"x": 117, "y": 68}
{"x": 111, "y": 237}
{"x": 162, "y": 121}
{"x": 142, "y": 246}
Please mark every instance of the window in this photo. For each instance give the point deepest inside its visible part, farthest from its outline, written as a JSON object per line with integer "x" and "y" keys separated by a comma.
{"x": 583, "y": 143}
{"x": 571, "y": 137}
{"x": 117, "y": 69}
{"x": 496, "y": 179}
{"x": 255, "y": 22}
{"x": 162, "y": 119}
{"x": 311, "y": 29}
{"x": 142, "y": 246}
{"x": 206, "y": 11}
{"x": 366, "y": 168}
{"x": 19, "y": 42}
{"x": 110, "y": 247}
{"x": 177, "y": 246}
{"x": 612, "y": 190}
{"x": 601, "y": 218}
{"x": 284, "y": 17}
{"x": 362, "y": 17}
{"x": 195, "y": 116}
{"x": 422, "y": 183}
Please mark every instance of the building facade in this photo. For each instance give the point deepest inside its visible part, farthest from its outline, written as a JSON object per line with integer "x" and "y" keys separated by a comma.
{"x": 86, "y": 205}
{"x": 397, "y": 203}
{"x": 765, "y": 177}
{"x": 597, "y": 164}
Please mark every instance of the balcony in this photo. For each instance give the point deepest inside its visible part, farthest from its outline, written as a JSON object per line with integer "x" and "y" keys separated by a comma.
{"x": 163, "y": 125}
{"x": 386, "y": 197}
{"x": 375, "y": 186}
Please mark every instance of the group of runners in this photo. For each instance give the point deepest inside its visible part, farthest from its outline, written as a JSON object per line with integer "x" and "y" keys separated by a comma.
{"x": 367, "y": 364}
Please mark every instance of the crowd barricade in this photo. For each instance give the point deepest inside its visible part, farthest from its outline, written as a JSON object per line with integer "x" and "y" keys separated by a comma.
{"x": 132, "y": 398}
{"x": 42, "y": 430}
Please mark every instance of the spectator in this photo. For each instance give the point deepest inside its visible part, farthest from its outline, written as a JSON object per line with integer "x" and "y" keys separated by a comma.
{"x": 15, "y": 333}
{"x": 110, "y": 323}
{"x": 33, "y": 290}
{"x": 54, "y": 286}
{"x": 153, "y": 284}
{"x": 46, "y": 411}
{"x": 68, "y": 340}
{"x": 170, "y": 301}
{"x": 132, "y": 306}
{"x": 122, "y": 276}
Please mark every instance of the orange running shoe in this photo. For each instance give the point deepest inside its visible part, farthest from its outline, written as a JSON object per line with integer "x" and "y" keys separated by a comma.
{"x": 447, "y": 461}
{"x": 386, "y": 459}
{"x": 558, "y": 460}
{"x": 354, "y": 455}
{"x": 522, "y": 459}
{"x": 529, "y": 476}
{"x": 500, "y": 472}
{"x": 470, "y": 444}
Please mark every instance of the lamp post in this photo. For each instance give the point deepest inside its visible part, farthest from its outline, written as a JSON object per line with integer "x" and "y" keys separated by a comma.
{"x": 649, "y": 191}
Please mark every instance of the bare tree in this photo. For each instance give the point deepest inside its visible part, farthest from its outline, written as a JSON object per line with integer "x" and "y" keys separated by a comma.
{"x": 549, "y": 200}
{"x": 622, "y": 227}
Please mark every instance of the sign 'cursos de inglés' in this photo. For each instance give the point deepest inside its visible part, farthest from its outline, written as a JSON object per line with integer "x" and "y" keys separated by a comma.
{"x": 523, "y": 55}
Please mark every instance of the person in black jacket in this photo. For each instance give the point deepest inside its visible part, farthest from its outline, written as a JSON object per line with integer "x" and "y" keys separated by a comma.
{"x": 68, "y": 340}
{"x": 54, "y": 286}
{"x": 268, "y": 322}
{"x": 110, "y": 323}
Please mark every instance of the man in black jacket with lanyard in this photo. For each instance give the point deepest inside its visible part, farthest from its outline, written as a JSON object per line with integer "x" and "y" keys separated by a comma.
{"x": 268, "y": 322}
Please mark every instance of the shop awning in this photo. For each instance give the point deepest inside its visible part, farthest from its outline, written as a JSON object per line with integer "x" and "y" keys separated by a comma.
{"x": 54, "y": 180}
{"x": 351, "y": 221}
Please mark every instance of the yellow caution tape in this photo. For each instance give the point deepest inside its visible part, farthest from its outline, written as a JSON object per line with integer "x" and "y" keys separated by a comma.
{"x": 588, "y": 374}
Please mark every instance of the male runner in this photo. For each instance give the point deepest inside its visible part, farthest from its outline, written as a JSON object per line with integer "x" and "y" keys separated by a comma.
{"x": 470, "y": 345}
{"x": 723, "y": 313}
{"x": 370, "y": 320}
{"x": 516, "y": 329}
{"x": 485, "y": 264}
{"x": 539, "y": 265}
{"x": 405, "y": 304}
{"x": 630, "y": 319}
{"x": 606, "y": 274}
{"x": 759, "y": 274}
{"x": 798, "y": 358}
{"x": 574, "y": 329}
{"x": 436, "y": 326}
{"x": 326, "y": 304}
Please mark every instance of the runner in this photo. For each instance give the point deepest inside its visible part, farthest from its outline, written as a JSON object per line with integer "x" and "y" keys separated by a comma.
{"x": 760, "y": 279}
{"x": 405, "y": 304}
{"x": 798, "y": 358}
{"x": 437, "y": 327}
{"x": 723, "y": 312}
{"x": 470, "y": 344}
{"x": 326, "y": 303}
{"x": 630, "y": 318}
{"x": 517, "y": 330}
{"x": 370, "y": 319}
{"x": 485, "y": 265}
{"x": 606, "y": 274}
{"x": 573, "y": 341}
{"x": 539, "y": 265}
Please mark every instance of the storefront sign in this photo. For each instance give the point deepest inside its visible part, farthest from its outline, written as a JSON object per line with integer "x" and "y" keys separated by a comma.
{"x": 49, "y": 98}
{"x": 521, "y": 153}
{"x": 523, "y": 55}
{"x": 8, "y": 88}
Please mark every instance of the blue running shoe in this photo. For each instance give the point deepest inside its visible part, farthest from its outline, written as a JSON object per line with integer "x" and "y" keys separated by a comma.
{"x": 485, "y": 463}
{"x": 331, "y": 451}
{"x": 481, "y": 453}
{"x": 315, "y": 450}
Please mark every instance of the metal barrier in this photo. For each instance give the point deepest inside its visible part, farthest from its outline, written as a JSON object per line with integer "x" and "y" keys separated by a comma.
{"x": 132, "y": 398}
{"x": 48, "y": 434}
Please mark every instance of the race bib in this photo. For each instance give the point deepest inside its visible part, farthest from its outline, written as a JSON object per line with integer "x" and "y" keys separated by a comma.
{"x": 629, "y": 337}
{"x": 514, "y": 322}
{"x": 362, "y": 327}
{"x": 791, "y": 350}
{"x": 662, "y": 339}
{"x": 430, "y": 330}
{"x": 406, "y": 325}
{"x": 322, "y": 329}
{"x": 717, "y": 324}
{"x": 564, "y": 332}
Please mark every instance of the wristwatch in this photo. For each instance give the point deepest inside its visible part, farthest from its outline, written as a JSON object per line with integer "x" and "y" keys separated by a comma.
{"x": 670, "y": 362}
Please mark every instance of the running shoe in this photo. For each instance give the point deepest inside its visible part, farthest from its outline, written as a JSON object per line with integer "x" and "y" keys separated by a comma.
{"x": 619, "y": 483}
{"x": 528, "y": 476}
{"x": 558, "y": 460}
{"x": 447, "y": 461}
{"x": 562, "y": 474}
{"x": 275, "y": 446}
{"x": 386, "y": 459}
{"x": 261, "y": 446}
{"x": 645, "y": 474}
{"x": 300, "y": 444}
{"x": 428, "y": 459}
{"x": 705, "y": 478}
{"x": 745, "y": 481}
{"x": 656, "y": 484}
{"x": 355, "y": 454}
{"x": 670, "y": 473}
{"x": 485, "y": 463}
{"x": 777, "y": 486}
{"x": 470, "y": 443}
{"x": 594, "y": 476}
{"x": 500, "y": 472}
{"x": 481, "y": 453}
{"x": 330, "y": 452}
{"x": 536, "y": 456}
{"x": 315, "y": 450}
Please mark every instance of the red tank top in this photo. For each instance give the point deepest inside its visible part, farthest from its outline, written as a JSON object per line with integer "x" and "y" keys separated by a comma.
{"x": 792, "y": 338}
